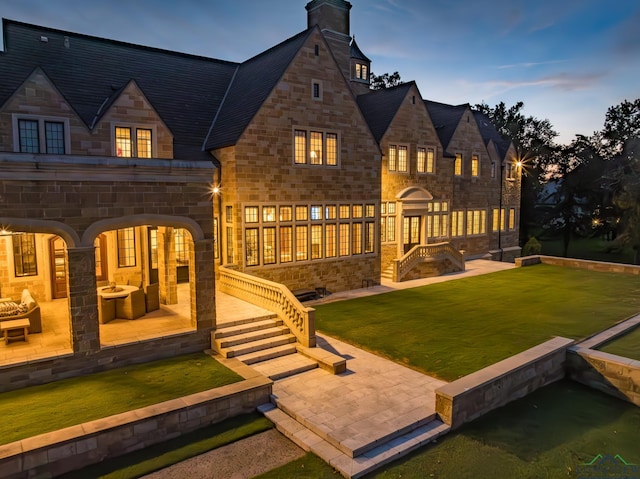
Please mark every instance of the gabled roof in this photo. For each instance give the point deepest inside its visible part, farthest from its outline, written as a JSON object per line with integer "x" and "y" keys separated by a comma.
{"x": 490, "y": 133}
{"x": 254, "y": 80}
{"x": 380, "y": 107}
{"x": 356, "y": 53}
{"x": 446, "y": 119}
{"x": 185, "y": 90}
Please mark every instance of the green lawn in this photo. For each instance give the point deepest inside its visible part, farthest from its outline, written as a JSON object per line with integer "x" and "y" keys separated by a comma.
{"x": 627, "y": 346}
{"x": 28, "y": 412}
{"x": 165, "y": 454}
{"x": 587, "y": 248}
{"x": 453, "y": 328}
{"x": 547, "y": 434}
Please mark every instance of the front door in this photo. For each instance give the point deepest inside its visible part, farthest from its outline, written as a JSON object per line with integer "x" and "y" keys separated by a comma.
{"x": 410, "y": 232}
{"x": 58, "y": 255}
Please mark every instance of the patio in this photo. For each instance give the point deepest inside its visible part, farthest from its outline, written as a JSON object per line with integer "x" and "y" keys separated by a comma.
{"x": 167, "y": 321}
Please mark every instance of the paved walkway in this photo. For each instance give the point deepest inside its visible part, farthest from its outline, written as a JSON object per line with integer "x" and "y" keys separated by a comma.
{"x": 371, "y": 400}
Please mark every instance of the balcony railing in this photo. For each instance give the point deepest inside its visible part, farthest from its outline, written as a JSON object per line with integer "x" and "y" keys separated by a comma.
{"x": 272, "y": 296}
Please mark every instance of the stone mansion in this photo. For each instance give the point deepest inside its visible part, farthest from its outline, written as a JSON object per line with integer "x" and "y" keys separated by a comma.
{"x": 134, "y": 165}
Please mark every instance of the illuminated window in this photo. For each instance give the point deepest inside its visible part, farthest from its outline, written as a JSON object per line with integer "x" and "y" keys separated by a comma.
{"x": 421, "y": 160}
{"x": 24, "y": 254}
{"x": 330, "y": 241}
{"x": 100, "y": 245}
{"x": 269, "y": 245}
{"x": 388, "y": 223}
{"x": 457, "y": 166}
{"x": 495, "y": 224}
{"x": 457, "y": 223}
{"x": 229, "y": 214}
{"x": 393, "y": 157}
{"x": 252, "y": 247}
{"x": 369, "y": 237}
{"x": 251, "y": 214}
{"x": 285, "y": 213}
{"x": 230, "y": 251}
{"x": 181, "y": 246}
{"x": 316, "y": 241}
{"x": 269, "y": 214}
{"x": 301, "y": 213}
{"x": 301, "y": 242}
{"x": 512, "y": 171}
{"x": 512, "y": 218}
{"x": 344, "y": 239}
{"x": 362, "y": 71}
{"x": 126, "y": 147}
{"x": 126, "y": 247}
{"x": 330, "y": 212}
{"x": 300, "y": 155}
{"x": 357, "y": 239}
{"x": 475, "y": 166}
{"x": 357, "y": 211}
{"x": 41, "y": 136}
{"x": 316, "y": 213}
{"x": 370, "y": 211}
{"x": 216, "y": 242}
{"x": 476, "y": 222}
{"x": 286, "y": 244}
{"x": 438, "y": 219}
{"x": 315, "y": 148}
{"x": 344, "y": 212}
{"x": 402, "y": 158}
{"x": 430, "y": 161}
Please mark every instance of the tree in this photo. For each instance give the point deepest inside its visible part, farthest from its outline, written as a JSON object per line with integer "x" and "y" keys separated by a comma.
{"x": 380, "y": 82}
{"x": 533, "y": 140}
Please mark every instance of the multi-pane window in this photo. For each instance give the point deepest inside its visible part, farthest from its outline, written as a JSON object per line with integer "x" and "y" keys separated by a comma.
{"x": 230, "y": 251}
{"x": 393, "y": 157}
{"x": 476, "y": 222}
{"x": 402, "y": 158}
{"x": 307, "y": 232}
{"x": 362, "y": 71}
{"x": 388, "y": 222}
{"x": 126, "y": 247}
{"x": 430, "y": 161}
{"x": 24, "y": 254}
{"x": 457, "y": 166}
{"x": 421, "y": 159}
{"x": 498, "y": 219}
{"x": 475, "y": 166}
{"x": 100, "y": 245}
{"x": 317, "y": 90}
{"x": 315, "y": 148}
{"x": 41, "y": 136}
{"x": 133, "y": 142}
{"x": 457, "y": 224}
{"x": 438, "y": 219}
{"x": 512, "y": 218}
{"x": 229, "y": 214}
{"x": 181, "y": 246}
{"x": 512, "y": 171}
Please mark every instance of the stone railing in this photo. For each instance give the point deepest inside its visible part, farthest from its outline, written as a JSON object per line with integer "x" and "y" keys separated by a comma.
{"x": 272, "y": 296}
{"x": 427, "y": 252}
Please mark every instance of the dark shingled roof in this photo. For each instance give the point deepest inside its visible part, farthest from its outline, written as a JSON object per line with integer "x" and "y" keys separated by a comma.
{"x": 254, "y": 81}
{"x": 489, "y": 132}
{"x": 446, "y": 119}
{"x": 380, "y": 107}
{"x": 185, "y": 90}
{"x": 356, "y": 53}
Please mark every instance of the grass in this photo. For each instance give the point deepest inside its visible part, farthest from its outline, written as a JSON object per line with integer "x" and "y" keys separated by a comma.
{"x": 28, "y": 412}
{"x": 549, "y": 433}
{"x": 165, "y": 454}
{"x": 453, "y": 328}
{"x": 627, "y": 346}
{"x": 587, "y": 248}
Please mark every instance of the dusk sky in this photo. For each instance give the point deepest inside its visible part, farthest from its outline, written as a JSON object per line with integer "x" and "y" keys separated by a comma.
{"x": 568, "y": 60}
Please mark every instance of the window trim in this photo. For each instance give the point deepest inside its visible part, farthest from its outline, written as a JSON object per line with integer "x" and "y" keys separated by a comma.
{"x": 475, "y": 157}
{"x": 455, "y": 164}
{"x": 42, "y": 141}
{"x": 33, "y": 266}
{"x": 325, "y": 152}
{"x": 320, "y": 95}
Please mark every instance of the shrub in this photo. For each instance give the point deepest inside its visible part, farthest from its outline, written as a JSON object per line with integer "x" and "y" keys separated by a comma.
{"x": 532, "y": 247}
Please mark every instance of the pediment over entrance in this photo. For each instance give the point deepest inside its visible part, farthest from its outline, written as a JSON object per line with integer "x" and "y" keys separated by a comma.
{"x": 414, "y": 194}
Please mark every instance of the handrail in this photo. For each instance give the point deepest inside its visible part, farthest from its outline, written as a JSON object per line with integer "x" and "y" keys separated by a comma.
{"x": 275, "y": 297}
{"x": 426, "y": 252}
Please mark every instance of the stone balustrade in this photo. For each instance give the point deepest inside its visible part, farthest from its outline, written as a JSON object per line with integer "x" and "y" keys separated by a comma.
{"x": 429, "y": 252}
{"x": 272, "y": 296}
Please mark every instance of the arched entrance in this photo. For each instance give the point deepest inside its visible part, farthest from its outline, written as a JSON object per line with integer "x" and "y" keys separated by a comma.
{"x": 414, "y": 210}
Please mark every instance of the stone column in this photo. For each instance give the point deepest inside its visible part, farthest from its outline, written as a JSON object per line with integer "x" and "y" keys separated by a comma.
{"x": 202, "y": 284}
{"x": 83, "y": 300}
{"x": 167, "y": 274}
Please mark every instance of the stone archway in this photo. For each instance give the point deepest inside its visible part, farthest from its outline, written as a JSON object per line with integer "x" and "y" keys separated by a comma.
{"x": 413, "y": 210}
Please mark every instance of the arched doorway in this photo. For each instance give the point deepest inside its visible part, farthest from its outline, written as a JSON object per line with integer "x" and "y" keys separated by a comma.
{"x": 414, "y": 208}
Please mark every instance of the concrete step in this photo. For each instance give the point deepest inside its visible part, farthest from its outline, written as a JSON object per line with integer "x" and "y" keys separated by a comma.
{"x": 244, "y": 338}
{"x": 284, "y": 366}
{"x": 353, "y": 467}
{"x": 247, "y": 327}
{"x": 253, "y": 346}
{"x": 248, "y": 319}
{"x": 265, "y": 354}
{"x": 374, "y": 431}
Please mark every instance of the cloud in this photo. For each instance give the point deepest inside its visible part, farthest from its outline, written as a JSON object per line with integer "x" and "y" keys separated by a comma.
{"x": 561, "y": 81}
{"x": 530, "y": 64}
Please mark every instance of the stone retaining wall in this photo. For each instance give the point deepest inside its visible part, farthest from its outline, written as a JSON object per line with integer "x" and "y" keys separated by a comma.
{"x": 609, "y": 373}
{"x": 43, "y": 371}
{"x": 51, "y": 454}
{"x": 478, "y": 393}
{"x": 578, "y": 263}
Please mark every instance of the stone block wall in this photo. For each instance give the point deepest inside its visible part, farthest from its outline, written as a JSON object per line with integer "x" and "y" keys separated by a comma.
{"x": 478, "y": 393}
{"x": 601, "y": 266}
{"x": 609, "y": 373}
{"x": 53, "y": 454}
{"x": 429, "y": 269}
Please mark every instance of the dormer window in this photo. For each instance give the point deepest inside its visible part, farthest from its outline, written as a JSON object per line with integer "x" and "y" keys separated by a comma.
{"x": 362, "y": 72}
{"x": 132, "y": 142}
{"x": 34, "y": 134}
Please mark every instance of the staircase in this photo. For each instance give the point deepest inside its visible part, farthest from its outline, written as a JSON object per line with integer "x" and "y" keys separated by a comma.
{"x": 388, "y": 273}
{"x": 265, "y": 344}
